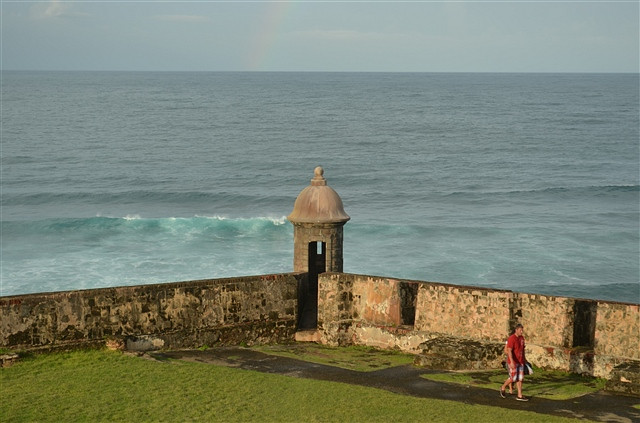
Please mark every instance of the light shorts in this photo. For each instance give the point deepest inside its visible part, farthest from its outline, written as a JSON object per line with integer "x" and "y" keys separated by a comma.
{"x": 516, "y": 373}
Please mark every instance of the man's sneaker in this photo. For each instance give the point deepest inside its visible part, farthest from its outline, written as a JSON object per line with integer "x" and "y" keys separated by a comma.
{"x": 522, "y": 399}
{"x": 502, "y": 394}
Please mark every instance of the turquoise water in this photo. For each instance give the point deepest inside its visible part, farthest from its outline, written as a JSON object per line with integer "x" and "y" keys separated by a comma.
{"x": 526, "y": 182}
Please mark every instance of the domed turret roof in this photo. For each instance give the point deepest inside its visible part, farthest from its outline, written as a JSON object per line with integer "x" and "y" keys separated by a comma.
{"x": 318, "y": 203}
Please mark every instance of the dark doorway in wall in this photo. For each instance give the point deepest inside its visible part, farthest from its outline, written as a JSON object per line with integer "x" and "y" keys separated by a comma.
{"x": 584, "y": 323}
{"x": 408, "y": 298}
{"x": 309, "y": 293}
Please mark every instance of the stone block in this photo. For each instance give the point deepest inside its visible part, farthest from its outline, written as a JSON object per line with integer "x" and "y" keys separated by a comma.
{"x": 452, "y": 353}
{"x": 7, "y": 360}
{"x": 143, "y": 343}
{"x": 625, "y": 379}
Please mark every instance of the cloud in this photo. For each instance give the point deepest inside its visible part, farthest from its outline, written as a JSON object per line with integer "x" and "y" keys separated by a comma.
{"x": 181, "y": 18}
{"x": 55, "y": 9}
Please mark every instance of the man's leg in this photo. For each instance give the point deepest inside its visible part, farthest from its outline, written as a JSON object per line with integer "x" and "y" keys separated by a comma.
{"x": 504, "y": 385}
{"x": 519, "y": 383}
{"x": 513, "y": 374}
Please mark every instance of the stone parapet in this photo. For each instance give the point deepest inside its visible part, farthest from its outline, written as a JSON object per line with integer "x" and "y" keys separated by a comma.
{"x": 596, "y": 338}
{"x": 581, "y": 336}
{"x": 185, "y": 314}
{"x": 456, "y": 310}
{"x": 617, "y": 330}
{"x": 336, "y": 300}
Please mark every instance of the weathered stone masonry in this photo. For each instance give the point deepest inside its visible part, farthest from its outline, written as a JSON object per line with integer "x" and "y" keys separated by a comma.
{"x": 423, "y": 318}
{"x": 256, "y": 309}
{"x": 582, "y": 336}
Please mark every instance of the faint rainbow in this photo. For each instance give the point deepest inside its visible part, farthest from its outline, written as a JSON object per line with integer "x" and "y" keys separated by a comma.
{"x": 267, "y": 34}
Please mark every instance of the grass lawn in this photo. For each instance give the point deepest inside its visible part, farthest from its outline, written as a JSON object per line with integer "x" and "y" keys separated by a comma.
{"x": 102, "y": 385}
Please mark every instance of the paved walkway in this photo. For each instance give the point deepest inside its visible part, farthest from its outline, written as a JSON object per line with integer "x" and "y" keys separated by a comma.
{"x": 602, "y": 407}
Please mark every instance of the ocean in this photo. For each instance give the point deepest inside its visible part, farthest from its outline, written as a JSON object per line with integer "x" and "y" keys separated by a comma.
{"x": 526, "y": 182}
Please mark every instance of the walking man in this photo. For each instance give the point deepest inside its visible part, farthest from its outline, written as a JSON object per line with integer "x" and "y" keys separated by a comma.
{"x": 516, "y": 362}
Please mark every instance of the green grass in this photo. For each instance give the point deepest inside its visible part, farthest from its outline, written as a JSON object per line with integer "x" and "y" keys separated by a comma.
{"x": 549, "y": 384}
{"x": 101, "y": 385}
{"x": 358, "y": 358}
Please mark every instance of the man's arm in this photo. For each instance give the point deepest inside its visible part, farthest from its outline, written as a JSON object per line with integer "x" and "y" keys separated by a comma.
{"x": 511, "y": 359}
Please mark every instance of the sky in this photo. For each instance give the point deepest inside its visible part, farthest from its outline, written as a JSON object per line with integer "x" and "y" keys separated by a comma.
{"x": 370, "y": 36}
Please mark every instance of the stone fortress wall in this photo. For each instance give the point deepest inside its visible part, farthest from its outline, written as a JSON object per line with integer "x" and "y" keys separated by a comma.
{"x": 441, "y": 323}
{"x": 254, "y": 309}
{"x": 464, "y": 327}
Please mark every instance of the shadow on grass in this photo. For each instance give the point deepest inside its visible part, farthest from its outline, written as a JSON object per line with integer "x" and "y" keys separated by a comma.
{"x": 362, "y": 359}
{"x": 543, "y": 383}
{"x": 547, "y": 384}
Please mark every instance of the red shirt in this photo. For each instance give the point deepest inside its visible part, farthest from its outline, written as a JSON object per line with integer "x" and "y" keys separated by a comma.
{"x": 516, "y": 343}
